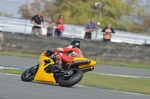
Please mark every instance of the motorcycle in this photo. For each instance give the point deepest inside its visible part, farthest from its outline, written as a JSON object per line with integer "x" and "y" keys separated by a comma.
{"x": 46, "y": 71}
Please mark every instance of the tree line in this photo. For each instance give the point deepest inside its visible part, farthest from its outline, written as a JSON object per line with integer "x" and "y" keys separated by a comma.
{"x": 122, "y": 14}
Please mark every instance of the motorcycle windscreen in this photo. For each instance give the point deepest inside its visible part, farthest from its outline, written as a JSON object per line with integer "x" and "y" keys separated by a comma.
{"x": 42, "y": 76}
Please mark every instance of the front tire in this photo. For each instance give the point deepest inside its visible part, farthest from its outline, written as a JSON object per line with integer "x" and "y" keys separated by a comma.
{"x": 29, "y": 74}
{"x": 71, "y": 80}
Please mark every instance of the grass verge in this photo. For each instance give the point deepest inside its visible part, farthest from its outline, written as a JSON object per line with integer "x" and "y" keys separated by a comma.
{"x": 127, "y": 84}
{"x": 12, "y": 71}
{"x": 19, "y": 54}
{"x": 125, "y": 64}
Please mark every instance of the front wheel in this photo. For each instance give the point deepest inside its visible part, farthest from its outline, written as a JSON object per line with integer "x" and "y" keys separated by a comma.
{"x": 74, "y": 78}
{"x": 29, "y": 74}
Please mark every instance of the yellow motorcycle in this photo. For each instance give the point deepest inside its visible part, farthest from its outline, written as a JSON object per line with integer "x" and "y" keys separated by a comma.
{"x": 45, "y": 71}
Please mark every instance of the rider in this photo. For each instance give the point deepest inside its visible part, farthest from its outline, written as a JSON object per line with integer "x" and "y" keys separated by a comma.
{"x": 68, "y": 53}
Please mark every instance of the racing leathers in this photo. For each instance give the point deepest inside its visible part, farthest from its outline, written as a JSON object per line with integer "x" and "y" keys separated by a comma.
{"x": 67, "y": 54}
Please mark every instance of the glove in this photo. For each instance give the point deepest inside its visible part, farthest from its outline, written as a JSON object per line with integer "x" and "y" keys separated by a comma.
{"x": 70, "y": 51}
{"x": 49, "y": 53}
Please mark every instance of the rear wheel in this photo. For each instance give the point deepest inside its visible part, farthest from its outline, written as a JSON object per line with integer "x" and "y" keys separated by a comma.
{"x": 71, "y": 79}
{"x": 29, "y": 74}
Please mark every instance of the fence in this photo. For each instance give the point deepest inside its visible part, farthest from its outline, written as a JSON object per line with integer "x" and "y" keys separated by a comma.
{"x": 11, "y": 22}
{"x": 19, "y": 26}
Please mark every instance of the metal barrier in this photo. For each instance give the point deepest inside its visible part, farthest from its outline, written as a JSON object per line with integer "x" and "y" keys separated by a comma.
{"x": 9, "y": 24}
{"x": 19, "y": 26}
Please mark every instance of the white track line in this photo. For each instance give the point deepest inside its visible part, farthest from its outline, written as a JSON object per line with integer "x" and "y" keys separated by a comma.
{"x": 9, "y": 74}
{"x": 114, "y": 90}
{"x": 90, "y": 87}
{"x": 120, "y": 75}
{"x": 3, "y": 67}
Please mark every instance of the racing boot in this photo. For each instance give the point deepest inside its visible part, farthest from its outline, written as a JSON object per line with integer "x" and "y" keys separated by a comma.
{"x": 57, "y": 66}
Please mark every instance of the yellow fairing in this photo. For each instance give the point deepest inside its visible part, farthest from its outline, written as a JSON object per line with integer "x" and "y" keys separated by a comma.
{"x": 92, "y": 63}
{"x": 41, "y": 75}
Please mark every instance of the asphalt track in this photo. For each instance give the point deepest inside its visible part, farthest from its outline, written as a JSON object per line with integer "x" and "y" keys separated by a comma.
{"x": 102, "y": 69}
{"x": 11, "y": 87}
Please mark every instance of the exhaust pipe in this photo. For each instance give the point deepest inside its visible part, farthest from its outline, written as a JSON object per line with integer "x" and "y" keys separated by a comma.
{"x": 81, "y": 62}
{"x": 87, "y": 69}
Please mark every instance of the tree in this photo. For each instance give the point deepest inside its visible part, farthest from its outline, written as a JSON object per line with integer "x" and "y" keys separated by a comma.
{"x": 5, "y": 14}
{"x": 140, "y": 16}
{"x": 46, "y": 6}
{"x": 79, "y": 12}
{"x": 0, "y": 13}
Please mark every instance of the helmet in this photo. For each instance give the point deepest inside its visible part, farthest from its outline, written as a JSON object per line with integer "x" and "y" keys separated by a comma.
{"x": 75, "y": 43}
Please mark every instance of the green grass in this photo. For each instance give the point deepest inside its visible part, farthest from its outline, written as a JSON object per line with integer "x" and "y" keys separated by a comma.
{"x": 12, "y": 71}
{"x": 136, "y": 85}
{"x": 127, "y": 84}
{"x": 19, "y": 54}
{"x": 125, "y": 64}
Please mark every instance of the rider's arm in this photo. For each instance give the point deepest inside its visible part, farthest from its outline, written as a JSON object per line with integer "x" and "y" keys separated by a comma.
{"x": 65, "y": 49}
{"x": 60, "y": 49}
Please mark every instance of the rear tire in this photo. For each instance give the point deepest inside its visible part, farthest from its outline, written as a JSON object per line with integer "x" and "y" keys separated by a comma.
{"x": 29, "y": 74}
{"x": 71, "y": 80}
